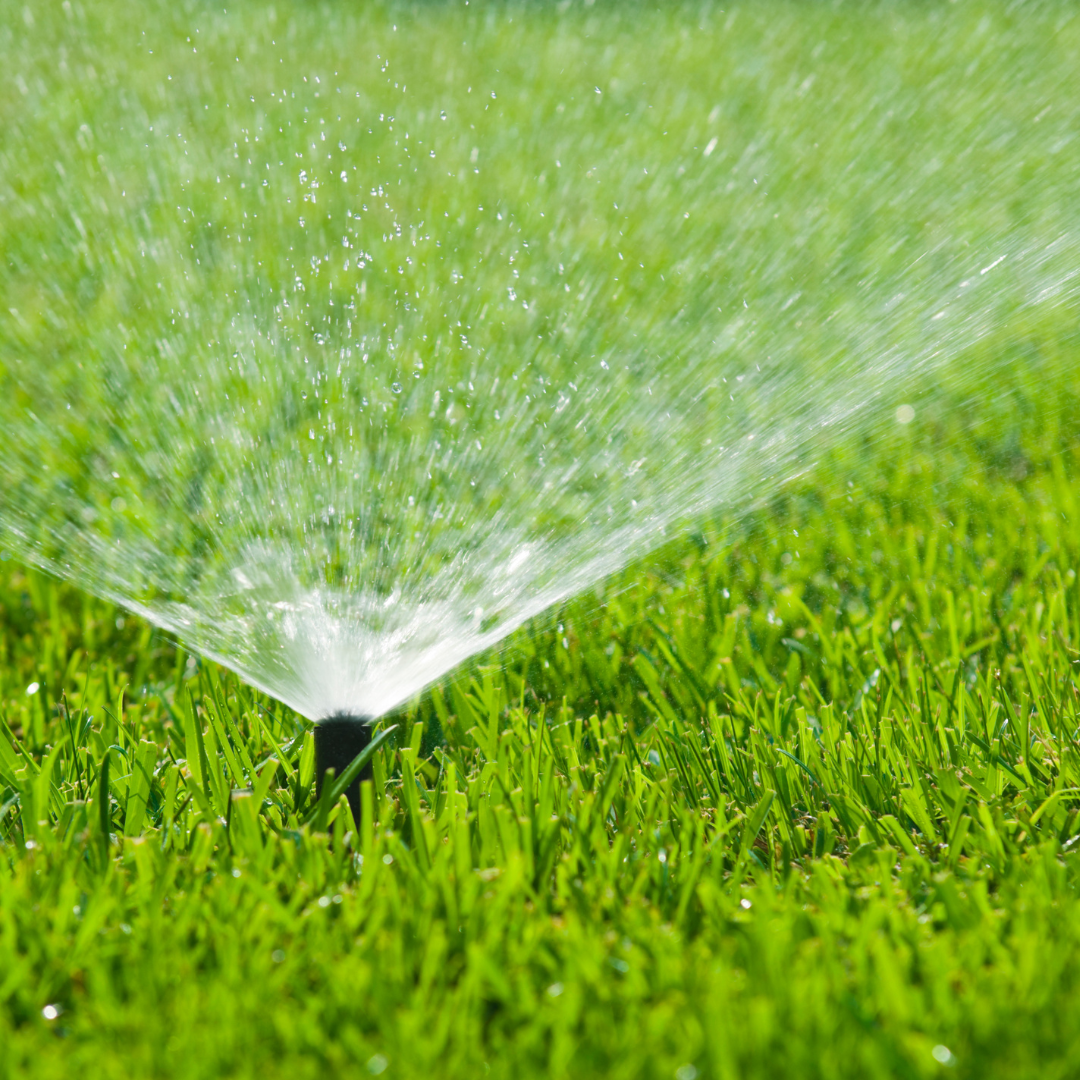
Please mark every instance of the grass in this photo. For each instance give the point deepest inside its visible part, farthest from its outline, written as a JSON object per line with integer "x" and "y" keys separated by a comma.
{"x": 798, "y": 796}
{"x": 747, "y": 811}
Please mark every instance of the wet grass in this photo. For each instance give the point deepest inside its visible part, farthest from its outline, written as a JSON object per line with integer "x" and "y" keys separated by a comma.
{"x": 799, "y": 800}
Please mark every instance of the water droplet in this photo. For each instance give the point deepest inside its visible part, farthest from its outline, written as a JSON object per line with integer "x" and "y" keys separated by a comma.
{"x": 943, "y": 1055}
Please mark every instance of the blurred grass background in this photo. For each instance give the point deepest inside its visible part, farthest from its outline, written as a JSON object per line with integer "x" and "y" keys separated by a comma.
{"x": 236, "y": 236}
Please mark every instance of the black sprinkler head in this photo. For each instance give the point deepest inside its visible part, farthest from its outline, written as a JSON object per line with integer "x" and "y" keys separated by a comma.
{"x": 338, "y": 739}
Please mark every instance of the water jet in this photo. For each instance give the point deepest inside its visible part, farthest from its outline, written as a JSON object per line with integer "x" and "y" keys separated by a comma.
{"x": 341, "y": 453}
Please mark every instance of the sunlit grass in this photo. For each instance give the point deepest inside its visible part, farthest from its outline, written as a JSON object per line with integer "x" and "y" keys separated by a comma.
{"x": 807, "y": 810}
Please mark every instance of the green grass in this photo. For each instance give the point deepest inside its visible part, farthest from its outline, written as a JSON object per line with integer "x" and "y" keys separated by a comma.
{"x": 773, "y": 805}
{"x": 797, "y": 797}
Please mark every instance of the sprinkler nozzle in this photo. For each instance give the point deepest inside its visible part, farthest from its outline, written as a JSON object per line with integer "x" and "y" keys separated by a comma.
{"x": 338, "y": 739}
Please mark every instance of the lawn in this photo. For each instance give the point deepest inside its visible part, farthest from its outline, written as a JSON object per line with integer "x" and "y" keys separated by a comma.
{"x": 796, "y": 791}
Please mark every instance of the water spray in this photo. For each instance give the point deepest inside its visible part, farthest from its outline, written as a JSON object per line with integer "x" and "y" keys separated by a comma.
{"x": 725, "y": 345}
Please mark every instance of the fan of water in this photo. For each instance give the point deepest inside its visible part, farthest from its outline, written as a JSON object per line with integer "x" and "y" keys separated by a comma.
{"x": 341, "y": 351}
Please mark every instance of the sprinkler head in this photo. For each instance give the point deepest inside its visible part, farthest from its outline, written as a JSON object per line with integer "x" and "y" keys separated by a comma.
{"x": 338, "y": 739}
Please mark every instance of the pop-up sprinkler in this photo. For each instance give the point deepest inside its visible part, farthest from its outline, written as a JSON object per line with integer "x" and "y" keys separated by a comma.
{"x": 338, "y": 739}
